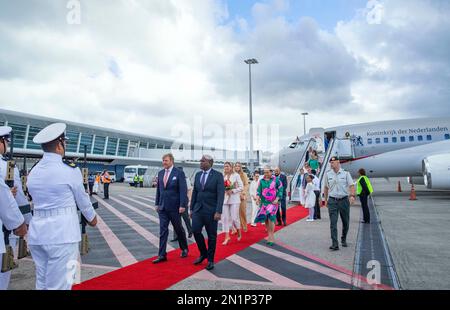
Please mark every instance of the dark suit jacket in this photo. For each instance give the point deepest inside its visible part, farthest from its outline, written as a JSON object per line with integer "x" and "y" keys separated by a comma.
{"x": 174, "y": 196}
{"x": 283, "y": 180}
{"x": 209, "y": 199}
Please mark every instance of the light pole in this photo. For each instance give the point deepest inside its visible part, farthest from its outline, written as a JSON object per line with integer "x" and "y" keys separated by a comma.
{"x": 251, "y": 62}
{"x": 304, "y": 122}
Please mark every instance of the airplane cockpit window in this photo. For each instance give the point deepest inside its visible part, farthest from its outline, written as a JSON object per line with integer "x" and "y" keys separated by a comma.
{"x": 293, "y": 145}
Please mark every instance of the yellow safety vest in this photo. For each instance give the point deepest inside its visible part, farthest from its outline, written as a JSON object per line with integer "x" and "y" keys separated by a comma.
{"x": 359, "y": 187}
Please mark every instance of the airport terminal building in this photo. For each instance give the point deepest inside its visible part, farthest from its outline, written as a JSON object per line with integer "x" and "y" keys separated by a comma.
{"x": 106, "y": 148}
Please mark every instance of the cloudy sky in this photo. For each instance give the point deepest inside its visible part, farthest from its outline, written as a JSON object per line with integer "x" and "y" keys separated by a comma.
{"x": 149, "y": 65}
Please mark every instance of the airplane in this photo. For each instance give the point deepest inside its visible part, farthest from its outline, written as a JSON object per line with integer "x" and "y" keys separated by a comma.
{"x": 415, "y": 148}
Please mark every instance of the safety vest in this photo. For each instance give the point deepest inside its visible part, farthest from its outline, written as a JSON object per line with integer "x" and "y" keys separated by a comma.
{"x": 359, "y": 187}
{"x": 136, "y": 178}
{"x": 106, "y": 178}
{"x": 141, "y": 178}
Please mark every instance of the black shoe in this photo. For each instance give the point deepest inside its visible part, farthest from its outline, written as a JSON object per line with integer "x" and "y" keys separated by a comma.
{"x": 279, "y": 224}
{"x": 210, "y": 266}
{"x": 190, "y": 235}
{"x": 160, "y": 260}
{"x": 344, "y": 244}
{"x": 174, "y": 240}
{"x": 199, "y": 260}
{"x": 334, "y": 248}
{"x": 184, "y": 253}
{"x": 284, "y": 224}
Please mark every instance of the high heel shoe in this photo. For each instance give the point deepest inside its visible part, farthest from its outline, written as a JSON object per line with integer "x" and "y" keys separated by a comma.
{"x": 239, "y": 235}
{"x": 226, "y": 241}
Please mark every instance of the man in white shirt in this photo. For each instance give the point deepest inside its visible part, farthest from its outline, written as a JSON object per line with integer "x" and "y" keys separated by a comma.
{"x": 54, "y": 233}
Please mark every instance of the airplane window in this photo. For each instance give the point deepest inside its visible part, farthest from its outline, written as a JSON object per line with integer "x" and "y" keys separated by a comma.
{"x": 386, "y": 140}
{"x": 420, "y": 138}
{"x": 411, "y": 138}
{"x": 429, "y": 138}
{"x": 377, "y": 140}
{"x": 403, "y": 139}
{"x": 447, "y": 136}
{"x": 394, "y": 139}
{"x": 369, "y": 141}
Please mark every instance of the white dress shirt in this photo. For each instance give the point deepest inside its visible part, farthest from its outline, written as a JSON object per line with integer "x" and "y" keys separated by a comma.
{"x": 57, "y": 190}
{"x": 10, "y": 215}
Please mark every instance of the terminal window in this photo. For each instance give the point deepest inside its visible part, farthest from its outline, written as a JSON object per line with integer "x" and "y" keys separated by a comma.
{"x": 123, "y": 148}
{"x": 403, "y": 139}
{"x": 31, "y": 134}
{"x": 86, "y": 139}
{"x": 394, "y": 139}
{"x": 99, "y": 145}
{"x": 429, "y": 138}
{"x": 19, "y": 134}
{"x": 112, "y": 146}
{"x": 72, "y": 143}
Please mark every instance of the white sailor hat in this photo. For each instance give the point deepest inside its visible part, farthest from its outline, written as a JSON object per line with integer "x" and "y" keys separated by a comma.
{"x": 50, "y": 133}
{"x": 5, "y": 131}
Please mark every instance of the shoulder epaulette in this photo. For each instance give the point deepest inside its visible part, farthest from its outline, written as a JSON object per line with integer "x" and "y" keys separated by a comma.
{"x": 70, "y": 163}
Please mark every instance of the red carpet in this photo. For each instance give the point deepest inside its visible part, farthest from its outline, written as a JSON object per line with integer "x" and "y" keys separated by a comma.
{"x": 147, "y": 276}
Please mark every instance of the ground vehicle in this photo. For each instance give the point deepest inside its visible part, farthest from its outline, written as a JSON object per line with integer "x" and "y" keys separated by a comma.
{"x": 131, "y": 171}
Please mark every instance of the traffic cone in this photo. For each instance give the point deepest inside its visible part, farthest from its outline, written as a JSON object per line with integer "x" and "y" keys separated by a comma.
{"x": 399, "y": 187}
{"x": 413, "y": 193}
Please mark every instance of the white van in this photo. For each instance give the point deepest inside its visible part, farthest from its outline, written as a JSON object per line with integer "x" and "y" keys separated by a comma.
{"x": 131, "y": 171}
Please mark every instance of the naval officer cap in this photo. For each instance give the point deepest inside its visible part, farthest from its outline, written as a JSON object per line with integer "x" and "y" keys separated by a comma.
{"x": 334, "y": 158}
{"x": 51, "y": 133}
{"x": 5, "y": 132}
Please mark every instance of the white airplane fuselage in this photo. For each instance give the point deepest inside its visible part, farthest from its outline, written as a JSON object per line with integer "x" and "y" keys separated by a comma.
{"x": 387, "y": 148}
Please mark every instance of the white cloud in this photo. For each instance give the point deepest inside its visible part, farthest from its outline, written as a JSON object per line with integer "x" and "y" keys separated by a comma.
{"x": 144, "y": 66}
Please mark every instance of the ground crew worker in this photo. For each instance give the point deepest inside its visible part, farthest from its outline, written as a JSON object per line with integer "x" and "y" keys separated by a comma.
{"x": 364, "y": 189}
{"x": 106, "y": 179}
{"x": 136, "y": 180}
{"x": 12, "y": 219}
{"x": 141, "y": 181}
{"x": 338, "y": 185}
{"x": 18, "y": 194}
{"x": 57, "y": 189}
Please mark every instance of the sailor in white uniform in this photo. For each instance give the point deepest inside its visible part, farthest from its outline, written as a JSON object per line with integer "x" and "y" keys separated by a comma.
{"x": 54, "y": 233}
{"x": 19, "y": 195}
{"x": 11, "y": 217}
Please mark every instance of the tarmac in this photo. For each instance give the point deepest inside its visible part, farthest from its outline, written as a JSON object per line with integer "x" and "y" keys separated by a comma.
{"x": 408, "y": 238}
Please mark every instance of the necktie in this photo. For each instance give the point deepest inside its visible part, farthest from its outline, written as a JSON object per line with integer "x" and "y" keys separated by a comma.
{"x": 202, "y": 181}
{"x": 166, "y": 176}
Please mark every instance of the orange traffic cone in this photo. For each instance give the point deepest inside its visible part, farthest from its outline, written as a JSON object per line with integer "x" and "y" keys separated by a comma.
{"x": 413, "y": 193}
{"x": 399, "y": 187}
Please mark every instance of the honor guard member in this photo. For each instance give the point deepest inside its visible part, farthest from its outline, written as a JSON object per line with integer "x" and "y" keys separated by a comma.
{"x": 339, "y": 195}
{"x": 54, "y": 233}
{"x": 21, "y": 199}
{"x": 12, "y": 219}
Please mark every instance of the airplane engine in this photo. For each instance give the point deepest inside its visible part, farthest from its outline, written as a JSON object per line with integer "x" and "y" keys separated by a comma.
{"x": 436, "y": 171}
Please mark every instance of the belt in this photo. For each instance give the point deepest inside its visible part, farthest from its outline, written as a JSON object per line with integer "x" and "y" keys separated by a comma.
{"x": 338, "y": 199}
{"x": 25, "y": 209}
{"x": 55, "y": 212}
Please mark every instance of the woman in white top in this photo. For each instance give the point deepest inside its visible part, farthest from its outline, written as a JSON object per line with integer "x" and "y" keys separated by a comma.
{"x": 231, "y": 203}
{"x": 253, "y": 195}
{"x": 310, "y": 197}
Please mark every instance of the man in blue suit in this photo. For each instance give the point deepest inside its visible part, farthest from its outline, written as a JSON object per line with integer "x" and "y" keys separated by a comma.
{"x": 171, "y": 201}
{"x": 206, "y": 208}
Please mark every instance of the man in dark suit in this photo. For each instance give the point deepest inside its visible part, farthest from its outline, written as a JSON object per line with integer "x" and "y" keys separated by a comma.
{"x": 206, "y": 208}
{"x": 281, "y": 213}
{"x": 171, "y": 201}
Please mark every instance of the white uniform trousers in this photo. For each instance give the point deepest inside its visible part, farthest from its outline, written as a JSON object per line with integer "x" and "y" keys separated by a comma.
{"x": 56, "y": 265}
{"x": 230, "y": 217}
{"x": 255, "y": 209}
{"x": 6, "y": 277}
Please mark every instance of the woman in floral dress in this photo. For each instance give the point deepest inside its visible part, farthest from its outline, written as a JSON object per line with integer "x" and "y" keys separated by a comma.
{"x": 269, "y": 194}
